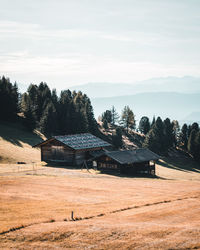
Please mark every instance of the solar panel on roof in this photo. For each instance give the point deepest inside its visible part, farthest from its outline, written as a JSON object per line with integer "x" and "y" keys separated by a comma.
{"x": 82, "y": 141}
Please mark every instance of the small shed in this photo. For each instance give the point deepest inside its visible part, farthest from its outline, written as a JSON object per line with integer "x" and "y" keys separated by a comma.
{"x": 135, "y": 161}
{"x": 71, "y": 149}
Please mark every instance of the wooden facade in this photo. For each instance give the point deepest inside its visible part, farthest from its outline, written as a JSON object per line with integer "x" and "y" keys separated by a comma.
{"x": 106, "y": 163}
{"x": 128, "y": 165}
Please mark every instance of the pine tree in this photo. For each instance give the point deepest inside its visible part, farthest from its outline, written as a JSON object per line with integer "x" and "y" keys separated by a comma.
{"x": 184, "y": 136}
{"x": 29, "y": 112}
{"x": 114, "y": 116}
{"x": 105, "y": 124}
{"x": 128, "y": 118}
{"x": 8, "y": 99}
{"x": 197, "y": 146}
{"x": 107, "y": 115}
{"x": 195, "y": 126}
{"x": 144, "y": 125}
{"x": 191, "y": 142}
{"x": 176, "y": 129}
{"x": 153, "y": 121}
{"x": 48, "y": 122}
{"x": 117, "y": 138}
{"x": 155, "y": 138}
{"x": 168, "y": 134}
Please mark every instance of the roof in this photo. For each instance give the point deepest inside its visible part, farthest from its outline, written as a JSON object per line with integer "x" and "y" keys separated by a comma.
{"x": 132, "y": 156}
{"x": 79, "y": 141}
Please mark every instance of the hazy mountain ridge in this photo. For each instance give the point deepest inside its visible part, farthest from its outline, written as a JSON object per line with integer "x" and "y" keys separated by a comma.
{"x": 165, "y": 104}
{"x": 187, "y": 84}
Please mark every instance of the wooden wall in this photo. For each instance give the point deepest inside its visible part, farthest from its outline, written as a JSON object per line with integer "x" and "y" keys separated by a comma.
{"x": 57, "y": 152}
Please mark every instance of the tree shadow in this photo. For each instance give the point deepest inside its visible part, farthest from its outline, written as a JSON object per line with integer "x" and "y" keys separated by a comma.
{"x": 181, "y": 163}
{"x": 16, "y": 133}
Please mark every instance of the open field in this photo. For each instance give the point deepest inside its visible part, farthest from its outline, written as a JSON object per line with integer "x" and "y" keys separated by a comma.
{"x": 110, "y": 211}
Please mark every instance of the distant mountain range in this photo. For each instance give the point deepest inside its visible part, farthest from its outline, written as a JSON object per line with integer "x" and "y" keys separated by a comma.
{"x": 182, "y": 107}
{"x": 187, "y": 84}
{"x": 173, "y": 97}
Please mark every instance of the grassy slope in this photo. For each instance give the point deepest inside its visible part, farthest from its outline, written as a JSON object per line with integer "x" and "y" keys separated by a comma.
{"x": 160, "y": 213}
{"x": 141, "y": 213}
{"x": 16, "y": 143}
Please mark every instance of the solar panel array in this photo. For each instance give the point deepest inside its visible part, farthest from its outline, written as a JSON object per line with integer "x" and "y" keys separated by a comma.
{"x": 82, "y": 141}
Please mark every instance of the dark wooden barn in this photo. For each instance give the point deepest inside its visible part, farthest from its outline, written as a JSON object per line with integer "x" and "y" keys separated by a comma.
{"x": 128, "y": 161}
{"x": 70, "y": 149}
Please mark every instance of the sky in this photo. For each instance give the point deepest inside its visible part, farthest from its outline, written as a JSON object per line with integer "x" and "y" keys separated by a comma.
{"x": 71, "y": 42}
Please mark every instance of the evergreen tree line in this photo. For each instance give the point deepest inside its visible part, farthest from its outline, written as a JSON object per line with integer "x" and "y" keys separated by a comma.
{"x": 126, "y": 120}
{"x": 160, "y": 135}
{"x": 69, "y": 113}
{"x": 72, "y": 112}
{"x": 163, "y": 135}
{"x": 43, "y": 109}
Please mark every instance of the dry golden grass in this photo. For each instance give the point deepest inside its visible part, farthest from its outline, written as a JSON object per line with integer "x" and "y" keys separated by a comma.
{"x": 110, "y": 212}
{"x": 126, "y": 213}
{"x": 16, "y": 144}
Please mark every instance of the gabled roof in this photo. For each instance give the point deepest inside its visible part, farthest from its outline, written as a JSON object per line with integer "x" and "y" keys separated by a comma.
{"x": 132, "y": 156}
{"x": 79, "y": 141}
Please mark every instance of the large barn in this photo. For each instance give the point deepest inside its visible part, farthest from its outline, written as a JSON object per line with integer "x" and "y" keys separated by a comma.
{"x": 71, "y": 149}
{"x": 135, "y": 161}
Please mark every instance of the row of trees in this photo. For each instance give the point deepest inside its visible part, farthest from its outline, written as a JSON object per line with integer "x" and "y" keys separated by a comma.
{"x": 127, "y": 119}
{"x": 72, "y": 112}
{"x": 160, "y": 135}
{"x": 43, "y": 109}
{"x": 69, "y": 113}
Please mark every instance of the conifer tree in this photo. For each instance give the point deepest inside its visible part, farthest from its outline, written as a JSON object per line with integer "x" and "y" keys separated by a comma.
{"x": 29, "y": 112}
{"x": 184, "y": 136}
{"x": 197, "y": 146}
{"x": 155, "y": 138}
{"x": 144, "y": 125}
{"x": 105, "y": 124}
{"x": 114, "y": 116}
{"x": 168, "y": 134}
{"x": 117, "y": 138}
{"x": 48, "y": 122}
{"x": 153, "y": 121}
{"x": 107, "y": 115}
{"x": 191, "y": 142}
{"x": 8, "y": 99}
{"x": 128, "y": 118}
{"x": 176, "y": 129}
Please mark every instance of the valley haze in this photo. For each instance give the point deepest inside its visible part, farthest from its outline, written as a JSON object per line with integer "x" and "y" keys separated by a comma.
{"x": 173, "y": 97}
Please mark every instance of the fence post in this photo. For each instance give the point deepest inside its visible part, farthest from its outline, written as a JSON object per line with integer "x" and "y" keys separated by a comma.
{"x": 72, "y": 215}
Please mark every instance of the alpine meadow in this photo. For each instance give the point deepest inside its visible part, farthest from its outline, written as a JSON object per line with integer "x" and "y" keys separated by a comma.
{"x": 100, "y": 124}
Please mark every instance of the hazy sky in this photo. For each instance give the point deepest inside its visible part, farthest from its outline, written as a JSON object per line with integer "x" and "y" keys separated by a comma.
{"x": 66, "y": 42}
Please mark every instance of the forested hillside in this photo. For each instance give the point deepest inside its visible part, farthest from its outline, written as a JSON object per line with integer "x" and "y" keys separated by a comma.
{"x": 71, "y": 112}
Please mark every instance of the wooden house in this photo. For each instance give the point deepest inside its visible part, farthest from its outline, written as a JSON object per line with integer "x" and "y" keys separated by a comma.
{"x": 70, "y": 149}
{"x": 135, "y": 161}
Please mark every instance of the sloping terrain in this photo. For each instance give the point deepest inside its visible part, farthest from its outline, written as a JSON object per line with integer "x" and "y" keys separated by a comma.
{"x": 16, "y": 143}
{"x": 110, "y": 212}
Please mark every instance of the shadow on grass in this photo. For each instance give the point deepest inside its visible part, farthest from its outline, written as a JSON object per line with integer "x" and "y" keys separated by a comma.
{"x": 107, "y": 172}
{"x": 181, "y": 163}
{"x": 16, "y": 133}
{"x": 61, "y": 165}
{"x": 131, "y": 175}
